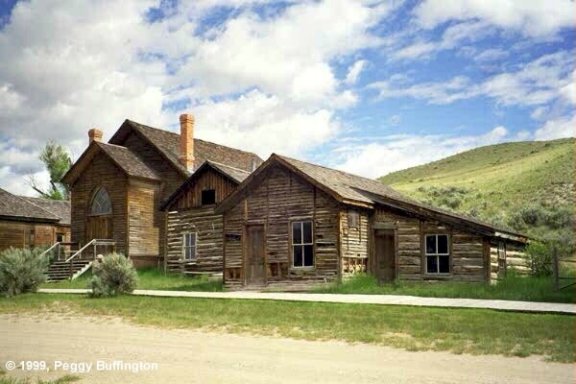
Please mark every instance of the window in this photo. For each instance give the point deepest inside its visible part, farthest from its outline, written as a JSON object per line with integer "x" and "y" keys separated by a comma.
{"x": 60, "y": 237}
{"x": 208, "y": 197}
{"x": 501, "y": 250}
{"x": 437, "y": 254}
{"x": 353, "y": 219}
{"x": 302, "y": 245}
{"x": 101, "y": 204}
{"x": 189, "y": 246}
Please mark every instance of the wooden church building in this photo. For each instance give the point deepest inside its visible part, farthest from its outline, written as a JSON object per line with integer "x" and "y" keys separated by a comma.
{"x": 117, "y": 188}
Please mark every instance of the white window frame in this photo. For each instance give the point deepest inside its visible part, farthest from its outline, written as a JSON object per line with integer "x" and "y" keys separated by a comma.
{"x": 437, "y": 254}
{"x": 301, "y": 244}
{"x": 189, "y": 248}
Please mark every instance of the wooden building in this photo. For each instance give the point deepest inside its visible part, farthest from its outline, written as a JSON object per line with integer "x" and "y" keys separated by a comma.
{"x": 28, "y": 222}
{"x": 117, "y": 188}
{"x": 291, "y": 225}
{"x": 194, "y": 231}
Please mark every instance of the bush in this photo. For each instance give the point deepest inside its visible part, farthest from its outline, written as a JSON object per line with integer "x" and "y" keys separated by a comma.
{"x": 539, "y": 258}
{"x": 21, "y": 270}
{"x": 113, "y": 275}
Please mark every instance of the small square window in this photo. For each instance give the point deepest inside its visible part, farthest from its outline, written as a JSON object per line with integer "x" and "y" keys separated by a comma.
{"x": 208, "y": 197}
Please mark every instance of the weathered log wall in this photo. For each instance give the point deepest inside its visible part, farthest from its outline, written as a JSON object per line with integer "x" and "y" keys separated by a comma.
{"x": 209, "y": 243}
{"x": 278, "y": 199}
{"x": 504, "y": 256}
{"x": 468, "y": 255}
{"x": 354, "y": 240}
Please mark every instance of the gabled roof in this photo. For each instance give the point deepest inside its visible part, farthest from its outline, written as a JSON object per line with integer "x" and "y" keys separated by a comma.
{"x": 122, "y": 157}
{"x": 362, "y": 192}
{"x": 168, "y": 144}
{"x": 235, "y": 175}
{"x": 18, "y": 208}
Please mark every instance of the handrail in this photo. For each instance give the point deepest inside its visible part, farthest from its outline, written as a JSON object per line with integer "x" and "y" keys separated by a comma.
{"x": 49, "y": 249}
{"x": 81, "y": 250}
{"x": 92, "y": 242}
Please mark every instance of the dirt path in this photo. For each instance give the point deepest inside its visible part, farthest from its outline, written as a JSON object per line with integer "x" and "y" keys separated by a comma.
{"x": 184, "y": 356}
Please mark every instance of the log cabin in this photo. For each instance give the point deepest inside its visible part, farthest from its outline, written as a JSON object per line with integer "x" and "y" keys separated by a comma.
{"x": 28, "y": 222}
{"x": 291, "y": 225}
{"x": 117, "y": 188}
{"x": 194, "y": 243}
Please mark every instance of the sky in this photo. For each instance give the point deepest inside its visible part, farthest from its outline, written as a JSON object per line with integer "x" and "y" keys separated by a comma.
{"x": 365, "y": 86}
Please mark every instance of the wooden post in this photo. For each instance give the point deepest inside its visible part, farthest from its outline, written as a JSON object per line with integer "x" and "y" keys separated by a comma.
{"x": 555, "y": 268}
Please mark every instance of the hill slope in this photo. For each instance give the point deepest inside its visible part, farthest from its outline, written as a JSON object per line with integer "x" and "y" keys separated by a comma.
{"x": 494, "y": 182}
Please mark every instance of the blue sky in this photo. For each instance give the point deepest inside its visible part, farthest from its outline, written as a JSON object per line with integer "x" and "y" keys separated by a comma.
{"x": 365, "y": 86}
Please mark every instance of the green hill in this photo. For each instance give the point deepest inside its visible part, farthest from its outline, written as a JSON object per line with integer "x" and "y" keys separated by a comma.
{"x": 502, "y": 183}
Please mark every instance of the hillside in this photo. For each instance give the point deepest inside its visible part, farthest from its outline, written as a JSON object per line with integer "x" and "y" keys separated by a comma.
{"x": 496, "y": 182}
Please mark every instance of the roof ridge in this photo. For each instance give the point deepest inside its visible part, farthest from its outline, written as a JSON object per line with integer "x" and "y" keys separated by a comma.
{"x": 331, "y": 169}
{"x": 227, "y": 166}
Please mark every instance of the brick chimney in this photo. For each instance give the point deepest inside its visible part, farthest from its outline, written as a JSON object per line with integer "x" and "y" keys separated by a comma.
{"x": 95, "y": 135}
{"x": 187, "y": 141}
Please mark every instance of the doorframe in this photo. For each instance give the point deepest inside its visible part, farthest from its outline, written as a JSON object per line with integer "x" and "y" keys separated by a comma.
{"x": 377, "y": 227}
{"x": 245, "y": 250}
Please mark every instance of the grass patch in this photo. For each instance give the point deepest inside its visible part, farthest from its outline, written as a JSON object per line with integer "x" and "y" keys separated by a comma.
{"x": 475, "y": 331}
{"x": 153, "y": 278}
{"x": 512, "y": 288}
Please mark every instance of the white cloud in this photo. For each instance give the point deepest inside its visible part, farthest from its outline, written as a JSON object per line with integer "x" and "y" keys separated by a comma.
{"x": 530, "y": 17}
{"x": 557, "y": 129}
{"x": 538, "y": 82}
{"x": 394, "y": 153}
{"x": 354, "y": 71}
{"x": 250, "y": 78}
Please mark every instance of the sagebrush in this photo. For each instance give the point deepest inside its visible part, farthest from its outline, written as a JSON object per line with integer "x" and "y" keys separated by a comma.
{"x": 113, "y": 275}
{"x": 21, "y": 270}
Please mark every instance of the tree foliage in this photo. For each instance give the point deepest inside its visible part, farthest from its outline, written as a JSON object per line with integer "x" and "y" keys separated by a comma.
{"x": 57, "y": 161}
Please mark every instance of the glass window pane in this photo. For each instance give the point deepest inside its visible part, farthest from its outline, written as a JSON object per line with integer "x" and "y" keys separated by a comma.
{"x": 309, "y": 255}
{"x": 442, "y": 243}
{"x": 298, "y": 256}
{"x": 431, "y": 265}
{"x": 444, "y": 264}
{"x": 192, "y": 239}
{"x": 430, "y": 244}
{"x": 307, "y": 232}
{"x": 297, "y": 233}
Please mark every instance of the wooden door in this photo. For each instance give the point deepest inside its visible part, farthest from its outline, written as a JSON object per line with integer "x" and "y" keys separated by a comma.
{"x": 254, "y": 261}
{"x": 384, "y": 255}
{"x": 99, "y": 227}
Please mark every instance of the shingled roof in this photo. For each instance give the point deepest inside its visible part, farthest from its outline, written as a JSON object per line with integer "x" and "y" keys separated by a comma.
{"x": 14, "y": 207}
{"x": 123, "y": 157}
{"x": 233, "y": 174}
{"x": 360, "y": 191}
{"x": 59, "y": 208}
{"x": 168, "y": 143}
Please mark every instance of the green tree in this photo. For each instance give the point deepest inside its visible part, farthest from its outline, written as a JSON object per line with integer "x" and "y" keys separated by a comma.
{"x": 57, "y": 161}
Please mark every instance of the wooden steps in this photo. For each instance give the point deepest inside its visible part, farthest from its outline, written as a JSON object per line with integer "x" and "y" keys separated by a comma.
{"x": 61, "y": 270}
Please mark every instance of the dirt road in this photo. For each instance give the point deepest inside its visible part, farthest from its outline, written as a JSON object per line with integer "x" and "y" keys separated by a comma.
{"x": 116, "y": 350}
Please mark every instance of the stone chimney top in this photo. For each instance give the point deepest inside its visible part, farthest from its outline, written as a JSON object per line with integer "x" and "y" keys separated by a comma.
{"x": 95, "y": 135}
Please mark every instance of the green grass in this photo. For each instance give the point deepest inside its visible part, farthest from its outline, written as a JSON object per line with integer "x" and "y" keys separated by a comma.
{"x": 511, "y": 288}
{"x": 12, "y": 380}
{"x": 153, "y": 278}
{"x": 498, "y": 178}
{"x": 474, "y": 331}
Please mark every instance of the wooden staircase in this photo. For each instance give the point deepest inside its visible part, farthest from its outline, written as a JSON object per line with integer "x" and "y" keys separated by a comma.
{"x": 69, "y": 262}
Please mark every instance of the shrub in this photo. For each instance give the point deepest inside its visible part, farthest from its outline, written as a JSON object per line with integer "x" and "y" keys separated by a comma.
{"x": 21, "y": 270}
{"x": 113, "y": 275}
{"x": 539, "y": 258}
